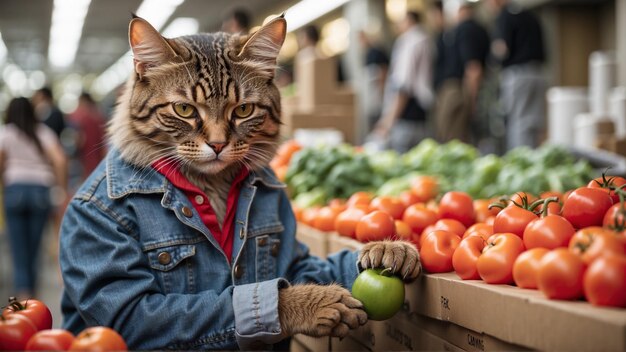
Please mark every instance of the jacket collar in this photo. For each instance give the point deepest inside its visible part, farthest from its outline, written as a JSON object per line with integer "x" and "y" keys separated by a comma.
{"x": 124, "y": 178}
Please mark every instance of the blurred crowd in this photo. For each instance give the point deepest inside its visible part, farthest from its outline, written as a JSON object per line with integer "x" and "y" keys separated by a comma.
{"x": 44, "y": 156}
{"x": 439, "y": 72}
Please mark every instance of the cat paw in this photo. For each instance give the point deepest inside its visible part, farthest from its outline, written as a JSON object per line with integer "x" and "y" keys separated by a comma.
{"x": 399, "y": 256}
{"x": 320, "y": 310}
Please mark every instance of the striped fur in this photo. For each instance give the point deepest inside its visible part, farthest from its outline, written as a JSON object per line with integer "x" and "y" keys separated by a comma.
{"x": 215, "y": 73}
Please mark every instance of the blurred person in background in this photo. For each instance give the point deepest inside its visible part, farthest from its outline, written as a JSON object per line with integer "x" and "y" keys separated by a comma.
{"x": 236, "y": 22}
{"x": 32, "y": 163}
{"x": 461, "y": 62}
{"x": 308, "y": 37}
{"x": 408, "y": 89}
{"x": 90, "y": 125}
{"x": 437, "y": 25}
{"x": 518, "y": 44}
{"x": 376, "y": 68}
{"x": 47, "y": 112}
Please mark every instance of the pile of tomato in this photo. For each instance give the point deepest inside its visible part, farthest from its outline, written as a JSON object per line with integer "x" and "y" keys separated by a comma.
{"x": 569, "y": 246}
{"x": 27, "y": 325}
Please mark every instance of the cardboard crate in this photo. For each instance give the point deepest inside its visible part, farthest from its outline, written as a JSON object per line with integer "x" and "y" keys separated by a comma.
{"x": 336, "y": 243}
{"x": 316, "y": 81}
{"x": 518, "y": 316}
{"x": 401, "y": 334}
{"x": 347, "y": 344}
{"x": 316, "y": 240}
{"x": 466, "y": 339}
{"x": 303, "y": 343}
{"x": 338, "y": 117}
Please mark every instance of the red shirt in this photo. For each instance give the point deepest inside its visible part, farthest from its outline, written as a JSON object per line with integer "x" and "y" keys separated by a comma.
{"x": 200, "y": 201}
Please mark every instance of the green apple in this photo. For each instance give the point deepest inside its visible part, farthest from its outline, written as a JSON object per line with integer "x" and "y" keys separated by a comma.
{"x": 381, "y": 293}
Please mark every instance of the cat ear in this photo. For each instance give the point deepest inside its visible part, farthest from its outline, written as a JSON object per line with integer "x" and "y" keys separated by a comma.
{"x": 264, "y": 45}
{"x": 148, "y": 46}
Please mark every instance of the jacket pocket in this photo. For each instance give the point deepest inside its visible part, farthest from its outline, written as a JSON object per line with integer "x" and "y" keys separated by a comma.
{"x": 173, "y": 267}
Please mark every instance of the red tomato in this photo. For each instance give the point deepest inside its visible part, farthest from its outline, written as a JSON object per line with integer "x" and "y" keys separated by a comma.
{"x": 50, "y": 340}
{"x": 614, "y": 218}
{"x": 451, "y": 225}
{"x": 425, "y": 188}
{"x": 297, "y": 212}
{"x": 408, "y": 198}
{"x": 495, "y": 264}
{"x": 526, "y": 267}
{"x": 403, "y": 231}
{"x": 483, "y": 229}
{"x": 586, "y": 207}
{"x": 346, "y": 221}
{"x": 605, "y": 281}
{"x": 490, "y": 220}
{"x": 309, "y": 215}
{"x": 15, "y": 331}
{"x": 513, "y": 219}
{"x": 98, "y": 338}
{"x": 33, "y": 309}
{"x": 549, "y": 232}
{"x": 458, "y": 206}
{"x": 482, "y": 211}
{"x": 437, "y": 250}
{"x": 359, "y": 198}
{"x": 325, "y": 218}
{"x": 375, "y": 226}
{"x": 466, "y": 255}
{"x": 389, "y": 205}
{"x": 608, "y": 184}
{"x": 418, "y": 217}
{"x": 592, "y": 242}
{"x": 560, "y": 275}
{"x": 338, "y": 204}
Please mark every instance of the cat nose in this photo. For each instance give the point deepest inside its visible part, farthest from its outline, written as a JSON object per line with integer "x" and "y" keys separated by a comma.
{"x": 217, "y": 147}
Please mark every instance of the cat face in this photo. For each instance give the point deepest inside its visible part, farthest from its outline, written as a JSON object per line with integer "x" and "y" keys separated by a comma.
{"x": 205, "y": 102}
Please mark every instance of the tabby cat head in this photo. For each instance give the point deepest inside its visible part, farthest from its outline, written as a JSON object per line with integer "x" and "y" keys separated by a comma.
{"x": 206, "y": 102}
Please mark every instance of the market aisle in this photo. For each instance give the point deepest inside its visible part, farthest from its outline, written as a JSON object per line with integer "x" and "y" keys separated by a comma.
{"x": 50, "y": 285}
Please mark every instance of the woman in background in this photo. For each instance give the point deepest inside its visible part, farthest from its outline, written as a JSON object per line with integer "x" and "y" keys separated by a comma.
{"x": 32, "y": 163}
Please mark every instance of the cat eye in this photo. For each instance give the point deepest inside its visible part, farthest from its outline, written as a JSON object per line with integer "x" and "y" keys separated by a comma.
{"x": 184, "y": 110}
{"x": 243, "y": 110}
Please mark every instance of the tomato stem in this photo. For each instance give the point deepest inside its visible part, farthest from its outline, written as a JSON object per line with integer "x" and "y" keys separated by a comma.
{"x": 544, "y": 210}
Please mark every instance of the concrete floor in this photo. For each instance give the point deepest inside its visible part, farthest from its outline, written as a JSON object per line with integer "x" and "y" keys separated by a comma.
{"x": 50, "y": 284}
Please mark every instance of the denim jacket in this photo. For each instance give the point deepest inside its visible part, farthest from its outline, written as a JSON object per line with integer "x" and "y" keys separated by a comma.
{"x": 135, "y": 256}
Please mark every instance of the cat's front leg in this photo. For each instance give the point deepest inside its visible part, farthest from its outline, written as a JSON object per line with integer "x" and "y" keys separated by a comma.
{"x": 400, "y": 256}
{"x": 317, "y": 310}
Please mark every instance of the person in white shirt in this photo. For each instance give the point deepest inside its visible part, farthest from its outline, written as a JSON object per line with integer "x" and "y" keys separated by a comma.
{"x": 408, "y": 92}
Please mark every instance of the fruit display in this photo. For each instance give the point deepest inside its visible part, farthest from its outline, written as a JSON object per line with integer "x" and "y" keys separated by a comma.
{"x": 569, "y": 243}
{"x": 316, "y": 175}
{"x": 27, "y": 325}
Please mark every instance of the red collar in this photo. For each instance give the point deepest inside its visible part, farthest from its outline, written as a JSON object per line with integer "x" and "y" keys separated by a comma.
{"x": 223, "y": 235}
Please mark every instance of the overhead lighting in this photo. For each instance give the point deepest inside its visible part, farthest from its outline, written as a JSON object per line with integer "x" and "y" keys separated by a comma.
{"x": 307, "y": 11}
{"x": 119, "y": 71}
{"x": 181, "y": 26}
{"x": 68, "y": 17}
{"x": 157, "y": 12}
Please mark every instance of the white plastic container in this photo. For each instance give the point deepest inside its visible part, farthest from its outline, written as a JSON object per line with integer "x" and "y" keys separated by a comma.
{"x": 618, "y": 110}
{"x": 602, "y": 79}
{"x": 564, "y": 104}
{"x": 585, "y": 132}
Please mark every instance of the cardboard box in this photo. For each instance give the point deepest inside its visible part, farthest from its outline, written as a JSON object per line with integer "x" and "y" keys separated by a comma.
{"x": 336, "y": 243}
{"x": 316, "y": 240}
{"x": 316, "y": 81}
{"x": 401, "y": 334}
{"x": 466, "y": 339}
{"x": 518, "y": 316}
{"x": 310, "y": 344}
{"x": 339, "y": 117}
{"x": 347, "y": 344}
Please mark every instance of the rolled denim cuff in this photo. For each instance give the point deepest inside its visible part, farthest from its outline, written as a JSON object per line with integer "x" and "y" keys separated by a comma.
{"x": 256, "y": 314}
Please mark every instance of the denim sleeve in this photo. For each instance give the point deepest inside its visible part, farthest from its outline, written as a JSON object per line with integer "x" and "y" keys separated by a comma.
{"x": 109, "y": 283}
{"x": 256, "y": 313}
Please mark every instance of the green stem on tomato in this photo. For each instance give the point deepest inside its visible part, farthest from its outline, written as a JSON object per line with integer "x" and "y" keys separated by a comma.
{"x": 545, "y": 202}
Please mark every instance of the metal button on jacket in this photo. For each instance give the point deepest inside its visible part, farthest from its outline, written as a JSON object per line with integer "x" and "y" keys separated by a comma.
{"x": 262, "y": 241}
{"x": 275, "y": 248}
{"x": 187, "y": 211}
{"x": 199, "y": 199}
{"x": 238, "y": 271}
{"x": 241, "y": 233}
{"x": 164, "y": 258}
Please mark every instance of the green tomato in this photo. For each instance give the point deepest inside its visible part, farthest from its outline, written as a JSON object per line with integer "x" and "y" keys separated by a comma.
{"x": 382, "y": 295}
